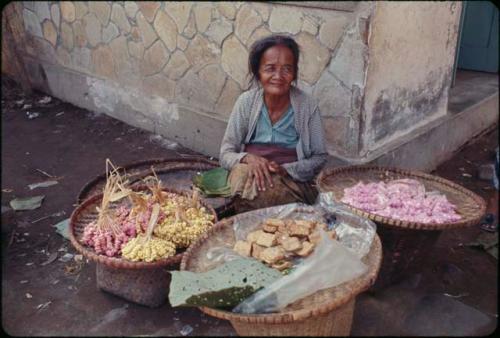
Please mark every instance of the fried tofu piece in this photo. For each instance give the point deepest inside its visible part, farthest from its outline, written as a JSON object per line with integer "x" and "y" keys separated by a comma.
{"x": 280, "y": 237}
{"x": 282, "y": 265}
{"x": 243, "y": 248}
{"x": 291, "y": 244}
{"x": 275, "y": 222}
{"x": 298, "y": 230}
{"x": 283, "y": 228}
{"x": 307, "y": 248}
{"x": 269, "y": 228}
{"x": 252, "y": 236}
{"x": 256, "y": 250}
{"x": 272, "y": 255}
{"x": 315, "y": 237}
{"x": 322, "y": 226}
{"x": 266, "y": 239}
{"x": 309, "y": 224}
{"x": 332, "y": 234}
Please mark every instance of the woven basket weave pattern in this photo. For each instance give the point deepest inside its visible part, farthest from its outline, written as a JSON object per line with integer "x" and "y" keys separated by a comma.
{"x": 147, "y": 287}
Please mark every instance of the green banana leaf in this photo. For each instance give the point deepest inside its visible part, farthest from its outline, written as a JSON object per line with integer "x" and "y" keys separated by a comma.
{"x": 225, "y": 286}
{"x": 213, "y": 183}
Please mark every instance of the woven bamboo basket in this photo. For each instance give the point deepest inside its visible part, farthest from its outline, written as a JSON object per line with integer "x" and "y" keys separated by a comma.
{"x": 327, "y": 312}
{"x": 173, "y": 173}
{"x": 145, "y": 283}
{"x": 407, "y": 245}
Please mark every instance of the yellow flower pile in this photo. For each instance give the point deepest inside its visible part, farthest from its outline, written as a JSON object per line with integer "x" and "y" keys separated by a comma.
{"x": 185, "y": 220}
{"x": 183, "y": 227}
{"x": 140, "y": 249}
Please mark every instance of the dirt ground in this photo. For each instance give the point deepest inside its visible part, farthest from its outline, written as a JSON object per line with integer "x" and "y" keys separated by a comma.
{"x": 454, "y": 294}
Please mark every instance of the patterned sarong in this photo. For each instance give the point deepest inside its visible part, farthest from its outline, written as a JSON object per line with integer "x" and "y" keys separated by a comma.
{"x": 285, "y": 190}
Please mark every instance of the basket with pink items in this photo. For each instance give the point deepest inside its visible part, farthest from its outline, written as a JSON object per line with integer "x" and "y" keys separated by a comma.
{"x": 411, "y": 209}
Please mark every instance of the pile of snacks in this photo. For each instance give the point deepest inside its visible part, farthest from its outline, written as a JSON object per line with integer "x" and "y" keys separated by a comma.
{"x": 278, "y": 242}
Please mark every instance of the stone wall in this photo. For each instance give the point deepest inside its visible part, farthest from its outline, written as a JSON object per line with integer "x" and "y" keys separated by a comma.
{"x": 176, "y": 68}
{"x": 380, "y": 70}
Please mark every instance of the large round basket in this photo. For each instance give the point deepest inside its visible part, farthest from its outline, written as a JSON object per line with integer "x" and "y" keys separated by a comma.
{"x": 174, "y": 173}
{"x": 144, "y": 283}
{"x": 328, "y": 312}
{"x": 406, "y": 244}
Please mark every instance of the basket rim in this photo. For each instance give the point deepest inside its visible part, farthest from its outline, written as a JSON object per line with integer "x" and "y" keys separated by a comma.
{"x": 136, "y": 178}
{"x": 83, "y": 193}
{"x": 326, "y": 172}
{"x": 120, "y": 262}
{"x": 290, "y": 315}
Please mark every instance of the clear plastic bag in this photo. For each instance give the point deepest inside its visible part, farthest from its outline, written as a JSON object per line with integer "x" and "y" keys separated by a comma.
{"x": 355, "y": 232}
{"x": 331, "y": 263}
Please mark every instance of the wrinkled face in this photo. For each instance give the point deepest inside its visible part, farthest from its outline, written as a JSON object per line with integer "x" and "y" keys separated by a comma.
{"x": 276, "y": 71}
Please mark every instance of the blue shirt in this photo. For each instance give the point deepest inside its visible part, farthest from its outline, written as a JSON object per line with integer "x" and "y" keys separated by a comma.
{"x": 282, "y": 133}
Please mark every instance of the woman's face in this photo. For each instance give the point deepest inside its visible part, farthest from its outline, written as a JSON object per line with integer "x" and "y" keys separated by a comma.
{"x": 276, "y": 71}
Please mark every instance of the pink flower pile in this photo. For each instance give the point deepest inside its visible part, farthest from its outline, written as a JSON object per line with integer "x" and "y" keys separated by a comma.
{"x": 107, "y": 242}
{"x": 110, "y": 244}
{"x": 404, "y": 199}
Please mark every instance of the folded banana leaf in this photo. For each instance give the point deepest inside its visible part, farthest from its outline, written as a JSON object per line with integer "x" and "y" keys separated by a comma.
{"x": 213, "y": 183}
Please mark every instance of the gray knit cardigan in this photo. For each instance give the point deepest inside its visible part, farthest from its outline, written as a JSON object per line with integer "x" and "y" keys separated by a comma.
{"x": 311, "y": 153}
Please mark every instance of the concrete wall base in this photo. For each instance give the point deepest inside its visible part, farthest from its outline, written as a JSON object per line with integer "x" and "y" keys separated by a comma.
{"x": 437, "y": 142}
{"x": 428, "y": 150}
{"x": 194, "y": 130}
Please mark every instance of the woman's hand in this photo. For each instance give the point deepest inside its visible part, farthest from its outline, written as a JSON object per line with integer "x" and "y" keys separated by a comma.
{"x": 259, "y": 169}
{"x": 276, "y": 168}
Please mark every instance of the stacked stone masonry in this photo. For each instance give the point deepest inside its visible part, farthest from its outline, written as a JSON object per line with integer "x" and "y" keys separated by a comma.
{"x": 193, "y": 55}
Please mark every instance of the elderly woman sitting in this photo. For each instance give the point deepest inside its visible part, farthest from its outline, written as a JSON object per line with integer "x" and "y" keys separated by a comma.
{"x": 273, "y": 144}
